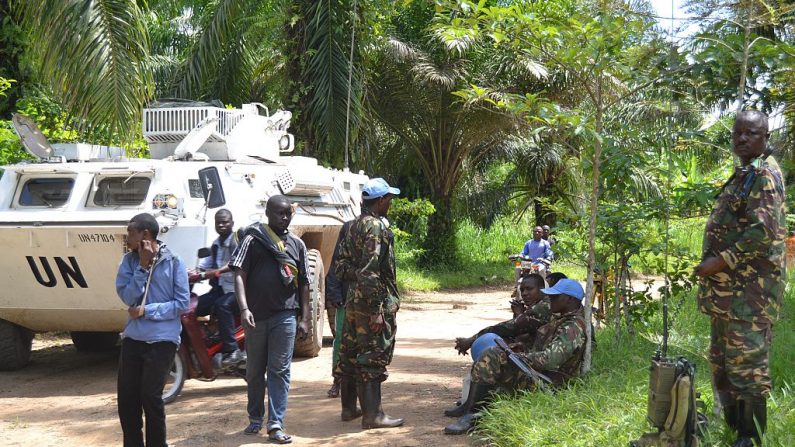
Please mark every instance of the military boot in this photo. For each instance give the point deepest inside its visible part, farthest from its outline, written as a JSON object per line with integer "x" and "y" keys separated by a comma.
{"x": 752, "y": 420}
{"x": 476, "y": 399}
{"x": 372, "y": 414}
{"x": 730, "y": 410}
{"x": 348, "y": 398}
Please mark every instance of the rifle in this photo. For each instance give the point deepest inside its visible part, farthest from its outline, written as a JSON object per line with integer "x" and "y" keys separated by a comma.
{"x": 521, "y": 364}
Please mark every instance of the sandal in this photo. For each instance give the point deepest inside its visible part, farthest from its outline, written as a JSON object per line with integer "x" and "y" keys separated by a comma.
{"x": 253, "y": 428}
{"x": 278, "y": 436}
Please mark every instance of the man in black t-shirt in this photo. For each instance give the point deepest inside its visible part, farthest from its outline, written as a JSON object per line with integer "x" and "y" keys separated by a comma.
{"x": 270, "y": 279}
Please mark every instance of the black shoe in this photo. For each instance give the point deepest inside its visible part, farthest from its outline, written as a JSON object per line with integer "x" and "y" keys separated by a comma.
{"x": 373, "y": 415}
{"x": 232, "y": 358}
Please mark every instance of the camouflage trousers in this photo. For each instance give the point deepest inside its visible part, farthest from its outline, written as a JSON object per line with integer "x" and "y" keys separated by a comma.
{"x": 496, "y": 369}
{"x": 738, "y": 357}
{"x": 364, "y": 354}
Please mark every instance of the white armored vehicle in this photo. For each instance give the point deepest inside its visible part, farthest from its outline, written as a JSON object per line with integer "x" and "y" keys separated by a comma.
{"x": 63, "y": 217}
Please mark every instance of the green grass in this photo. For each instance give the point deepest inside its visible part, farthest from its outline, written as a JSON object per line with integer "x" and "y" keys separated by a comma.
{"x": 608, "y": 407}
{"x": 484, "y": 259}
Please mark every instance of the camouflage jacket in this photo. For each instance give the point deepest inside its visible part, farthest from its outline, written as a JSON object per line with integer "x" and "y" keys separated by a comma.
{"x": 559, "y": 347}
{"x": 526, "y": 323}
{"x": 747, "y": 228}
{"x": 367, "y": 260}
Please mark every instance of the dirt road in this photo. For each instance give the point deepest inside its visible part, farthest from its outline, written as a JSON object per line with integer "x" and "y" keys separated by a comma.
{"x": 64, "y": 398}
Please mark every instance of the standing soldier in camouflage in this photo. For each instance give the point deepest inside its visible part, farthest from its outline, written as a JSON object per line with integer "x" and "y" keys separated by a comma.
{"x": 742, "y": 278}
{"x": 557, "y": 352}
{"x": 367, "y": 260}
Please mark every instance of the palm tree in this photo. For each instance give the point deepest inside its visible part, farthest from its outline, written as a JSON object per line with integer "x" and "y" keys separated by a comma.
{"x": 104, "y": 59}
{"x": 413, "y": 93}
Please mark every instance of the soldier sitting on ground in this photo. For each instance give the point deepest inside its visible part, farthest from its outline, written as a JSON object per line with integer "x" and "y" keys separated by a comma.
{"x": 529, "y": 314}
{"x": 557, "y": 352}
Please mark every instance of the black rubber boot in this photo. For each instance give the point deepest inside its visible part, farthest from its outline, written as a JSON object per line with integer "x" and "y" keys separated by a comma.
{"x": 348, "y": 398}
{"x": 476, "y": 399}
{"x": 456, "y": 411}
{"x": 752, "y": 420}
{"x": 372, "y": 414}
{"x": 730, "y": 410}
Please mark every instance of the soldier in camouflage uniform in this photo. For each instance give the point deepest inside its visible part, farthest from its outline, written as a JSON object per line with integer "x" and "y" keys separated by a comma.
{"x": 742, "y": 278}
{"x": 557, "y": 352}
{"x": 367, "y": 260}
{"x": 532, "y": 312}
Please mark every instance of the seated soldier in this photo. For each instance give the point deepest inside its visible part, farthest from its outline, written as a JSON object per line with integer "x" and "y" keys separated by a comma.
{"x": 529, "y": 314}
{"x": 557, "y": 352}
{"x": 554, "y": 277}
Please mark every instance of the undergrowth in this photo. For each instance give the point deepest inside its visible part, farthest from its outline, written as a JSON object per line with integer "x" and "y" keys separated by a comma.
{"x": 608, "y": 407}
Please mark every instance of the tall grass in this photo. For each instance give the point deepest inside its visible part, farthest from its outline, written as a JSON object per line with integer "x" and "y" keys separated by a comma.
{"x": 608, "y": 407}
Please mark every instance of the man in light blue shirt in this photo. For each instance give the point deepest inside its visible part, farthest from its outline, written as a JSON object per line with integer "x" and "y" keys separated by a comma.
{"x": 221, "y": 298}
{"x": 153, "y": 283}
{"x": 537, "y": 248}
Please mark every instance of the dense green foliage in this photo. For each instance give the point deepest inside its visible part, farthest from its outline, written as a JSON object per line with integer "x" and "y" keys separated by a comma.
{"x": 608, "y": 407}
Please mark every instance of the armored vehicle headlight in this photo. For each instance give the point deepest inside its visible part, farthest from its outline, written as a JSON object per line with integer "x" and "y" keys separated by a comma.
{"x": 284, "y": 142}
{"x": 163, "y": 201}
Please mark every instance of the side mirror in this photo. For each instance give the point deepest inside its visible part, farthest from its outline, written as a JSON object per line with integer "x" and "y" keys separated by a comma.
{"x": 204, "y": 252}
{"x": 212, "y": 190}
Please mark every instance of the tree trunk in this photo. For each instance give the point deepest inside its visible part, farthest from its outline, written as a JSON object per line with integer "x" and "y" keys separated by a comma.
{"x": 440, "y": 242}
{"x": 744, "y": 63}
{"x": 589, "y": 288}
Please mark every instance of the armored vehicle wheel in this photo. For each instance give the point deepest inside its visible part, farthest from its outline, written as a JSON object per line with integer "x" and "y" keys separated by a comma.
{"x": 317, "y": 285}
{"x": 15, "y": 343}
{"x": 94, "y": 341}
{"x": 175, "y": 379}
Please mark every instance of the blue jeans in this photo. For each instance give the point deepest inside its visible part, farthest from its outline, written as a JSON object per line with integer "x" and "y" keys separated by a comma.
{"x": 225, "y": 306}
{"x": 269, "y": 346}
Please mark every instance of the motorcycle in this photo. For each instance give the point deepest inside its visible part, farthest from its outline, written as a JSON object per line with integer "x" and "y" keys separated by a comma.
{"x": 199, "y": 354}
{"x": 524, "y": 266}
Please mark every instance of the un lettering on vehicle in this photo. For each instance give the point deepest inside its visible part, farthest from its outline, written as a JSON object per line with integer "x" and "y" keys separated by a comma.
{"x": 69, "y": 270}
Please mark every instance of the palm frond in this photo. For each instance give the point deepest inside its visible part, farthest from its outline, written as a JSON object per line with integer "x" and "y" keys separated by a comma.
{"x": 202, "y": 63}
{"x": 327, "y": 73}
{"x": 93, "y": 56}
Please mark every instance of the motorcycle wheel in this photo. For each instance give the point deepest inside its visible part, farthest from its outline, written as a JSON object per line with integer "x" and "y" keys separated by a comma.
{"x": 175, "y": 379}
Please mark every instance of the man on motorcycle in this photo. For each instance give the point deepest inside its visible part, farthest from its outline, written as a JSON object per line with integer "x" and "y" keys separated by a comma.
{"x": 538, "y": 250}
{"x": 221, "y": 298}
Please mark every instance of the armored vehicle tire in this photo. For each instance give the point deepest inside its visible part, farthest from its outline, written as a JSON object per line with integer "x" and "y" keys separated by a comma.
{"x": 175, "y": 379}
{"x": 15, "y": 344}
{"x": 94, "y": 341}
{"x": 317, "y": 284}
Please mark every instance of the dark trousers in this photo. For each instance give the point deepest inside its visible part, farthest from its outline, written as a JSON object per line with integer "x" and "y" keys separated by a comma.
{"x": 225, "y": 306}
{"x": 142, "y": 376}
